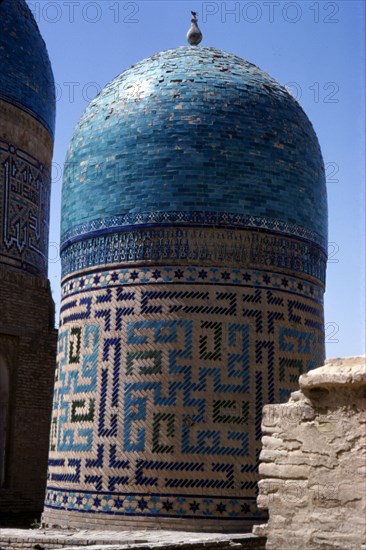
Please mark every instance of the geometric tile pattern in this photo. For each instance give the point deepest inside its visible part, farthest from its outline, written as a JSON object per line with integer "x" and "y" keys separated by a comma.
{"x": 152, "y": 275}
{"x": 192, "y": 218}
{"x": 160, "y": 387}
{"x": 205, "y": 245}
{"x": 150, "y": 505}
{"x": 24, "y": 195}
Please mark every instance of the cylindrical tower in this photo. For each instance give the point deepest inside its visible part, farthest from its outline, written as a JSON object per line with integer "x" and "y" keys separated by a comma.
{"x": 27, "y": 336}
{"x": 194, "y": 229}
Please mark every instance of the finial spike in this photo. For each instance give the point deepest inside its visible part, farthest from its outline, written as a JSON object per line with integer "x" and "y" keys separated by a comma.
{"x": 194, "y": 35}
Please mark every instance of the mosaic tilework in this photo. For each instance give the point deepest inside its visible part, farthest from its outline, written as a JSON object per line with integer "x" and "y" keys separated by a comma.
{"x": 149, "y": 505}
{"x": 140, "y": 275}
{"x": 26, "y": 78}
{"x": 196, "y": 245}
{"x": 162, "y": 374}
{"x": 24, "y": 197}
{"x": 195, "y": 129}
{"x": 206, "y": 219}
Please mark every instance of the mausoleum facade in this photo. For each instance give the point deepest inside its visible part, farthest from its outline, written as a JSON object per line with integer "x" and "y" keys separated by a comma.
{"x": 194, "y": 237}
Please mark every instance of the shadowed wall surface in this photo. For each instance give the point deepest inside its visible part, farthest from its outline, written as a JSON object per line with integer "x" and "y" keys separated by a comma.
{"x": 27, "y": 335}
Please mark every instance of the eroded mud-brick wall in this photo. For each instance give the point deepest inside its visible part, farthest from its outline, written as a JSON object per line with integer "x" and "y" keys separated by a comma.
{"x": 313, "y": 461}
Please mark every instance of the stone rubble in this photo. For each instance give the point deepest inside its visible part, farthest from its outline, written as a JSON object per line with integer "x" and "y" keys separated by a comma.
{"x": 313, "y": 462}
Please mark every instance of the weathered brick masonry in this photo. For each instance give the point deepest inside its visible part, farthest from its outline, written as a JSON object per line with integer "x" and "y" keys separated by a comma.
{"x": 28, "y": 344}
{"x": 27, "y": 335}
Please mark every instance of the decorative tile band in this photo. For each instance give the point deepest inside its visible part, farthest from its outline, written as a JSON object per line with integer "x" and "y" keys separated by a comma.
{"x": 25, "y": 197}
{"x": 211, "y": 246}
{"x": 150, "y": 505}
{"x": 188, "y": 275}
{"x": 209, "y": 219}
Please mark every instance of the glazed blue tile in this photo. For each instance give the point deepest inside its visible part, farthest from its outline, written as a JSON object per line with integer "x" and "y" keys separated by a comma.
{"x": 26, "y": 77}
{"x": 214, "y": 135}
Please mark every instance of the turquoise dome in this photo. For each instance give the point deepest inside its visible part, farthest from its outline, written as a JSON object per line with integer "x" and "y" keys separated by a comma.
{"x": 26, "y": 78}
{"x": 194, "y": 136}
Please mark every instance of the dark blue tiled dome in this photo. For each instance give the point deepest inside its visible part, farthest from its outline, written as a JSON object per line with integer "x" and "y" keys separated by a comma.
{"x": 26, "y": 78}
{"x": 194, "y": 136}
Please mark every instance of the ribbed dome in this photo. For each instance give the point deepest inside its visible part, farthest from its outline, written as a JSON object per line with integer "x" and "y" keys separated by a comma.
{"x": 194, "y": 136}
{"x": 26, "y": 78}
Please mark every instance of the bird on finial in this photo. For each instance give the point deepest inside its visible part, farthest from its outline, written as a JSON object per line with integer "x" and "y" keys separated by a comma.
{"x": 194, "y": 35}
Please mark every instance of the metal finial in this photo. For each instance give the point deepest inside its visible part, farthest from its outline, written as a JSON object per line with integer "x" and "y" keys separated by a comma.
{"x": 194, "y": 35}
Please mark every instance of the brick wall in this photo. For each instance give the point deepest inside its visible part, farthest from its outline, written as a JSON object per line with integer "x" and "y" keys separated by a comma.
{"x": 28, "y": 343}
{"x": 27, "y": 335}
